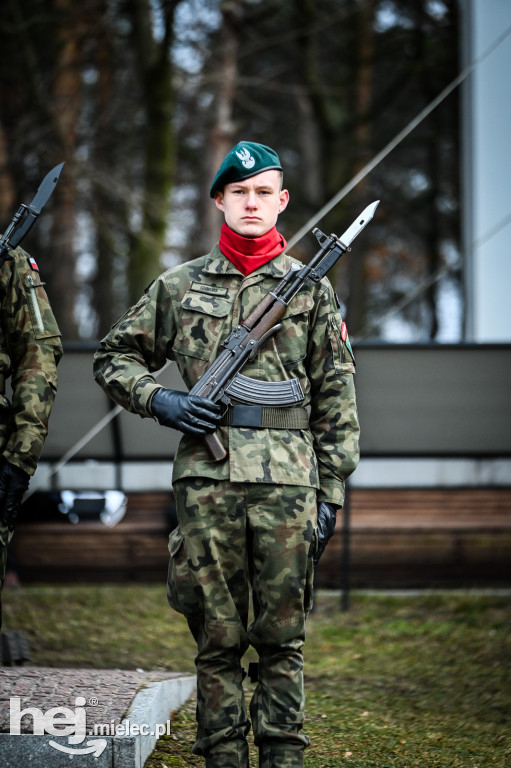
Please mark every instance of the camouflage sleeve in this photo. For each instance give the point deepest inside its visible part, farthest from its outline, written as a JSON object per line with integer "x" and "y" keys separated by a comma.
{"x": 33, "y": 349}
{"x": 333, "y": 418}
{"x": 135, "y": 347}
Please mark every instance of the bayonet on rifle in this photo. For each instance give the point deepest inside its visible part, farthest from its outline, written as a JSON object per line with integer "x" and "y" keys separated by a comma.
{"x": 26, "y": 215}
{"x": 223, "y": 380}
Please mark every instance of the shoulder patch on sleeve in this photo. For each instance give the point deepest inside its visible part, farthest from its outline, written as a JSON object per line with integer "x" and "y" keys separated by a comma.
{"x": 347, "y": 342}
{"x": 32, "y": 263}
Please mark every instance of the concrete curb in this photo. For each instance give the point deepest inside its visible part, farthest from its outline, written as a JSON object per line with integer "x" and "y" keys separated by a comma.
{"x": 130, "y": 747}
{"x": 153, "y": 705}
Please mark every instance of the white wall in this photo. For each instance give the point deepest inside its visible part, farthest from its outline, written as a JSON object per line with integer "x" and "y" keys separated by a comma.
{"x": 487, "y": 182}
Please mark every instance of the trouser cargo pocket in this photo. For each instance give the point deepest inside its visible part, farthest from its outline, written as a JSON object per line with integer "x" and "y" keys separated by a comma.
{"x": 180, "y": 589}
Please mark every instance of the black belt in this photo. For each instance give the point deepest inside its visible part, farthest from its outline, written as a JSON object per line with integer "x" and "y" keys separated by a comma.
{"x": 262, "y": 417}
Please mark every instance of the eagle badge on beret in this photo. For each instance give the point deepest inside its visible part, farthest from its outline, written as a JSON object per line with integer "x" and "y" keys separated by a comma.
{"x": 246, "y": 158}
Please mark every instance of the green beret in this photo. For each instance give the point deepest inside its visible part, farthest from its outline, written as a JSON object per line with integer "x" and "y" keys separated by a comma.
{"x": 244, "y": 160}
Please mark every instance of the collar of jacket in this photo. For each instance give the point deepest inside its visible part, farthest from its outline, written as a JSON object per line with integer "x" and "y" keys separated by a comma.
{"x": 218, "y": 264}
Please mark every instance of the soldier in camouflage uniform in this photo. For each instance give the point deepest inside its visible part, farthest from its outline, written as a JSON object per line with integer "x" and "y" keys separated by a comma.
{"x": 259, "y": 519}
{"x": 30, "y": 349}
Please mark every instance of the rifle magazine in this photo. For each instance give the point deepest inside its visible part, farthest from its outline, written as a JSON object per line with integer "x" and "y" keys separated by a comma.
{"x": 270, "y": 393}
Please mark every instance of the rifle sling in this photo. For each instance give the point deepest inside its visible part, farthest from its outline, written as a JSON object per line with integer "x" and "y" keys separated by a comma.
{"x": 262, "y": 417}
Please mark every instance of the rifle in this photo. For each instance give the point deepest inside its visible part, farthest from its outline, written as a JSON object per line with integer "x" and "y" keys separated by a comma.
{"x": 26, "y": 215}
{"x": 223, "y": 379}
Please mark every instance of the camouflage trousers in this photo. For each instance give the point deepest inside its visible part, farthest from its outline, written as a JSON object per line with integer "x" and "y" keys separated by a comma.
{"x": 5, "y": 538}
{"x": 232, "y": 538}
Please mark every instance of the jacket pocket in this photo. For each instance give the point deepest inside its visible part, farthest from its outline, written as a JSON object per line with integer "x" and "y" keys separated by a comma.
{"x": 291, "y": 340}
{"x": 203, "y": 321}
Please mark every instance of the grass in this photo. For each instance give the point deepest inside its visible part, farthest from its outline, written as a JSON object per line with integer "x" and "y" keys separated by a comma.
{"x": 395, "y": 682}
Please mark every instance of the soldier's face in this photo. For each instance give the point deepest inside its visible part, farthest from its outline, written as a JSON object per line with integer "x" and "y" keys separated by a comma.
{"x": 251, "y": 207}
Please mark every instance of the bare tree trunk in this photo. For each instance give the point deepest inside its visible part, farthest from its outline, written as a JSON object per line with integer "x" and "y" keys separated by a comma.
{"x": 40, "y": 117}
{"x": 107, "y": 202}
{"x": 7, "y": 191}
{"x": 221, "y": 137}
{"x": 154, "y": 64}
{"x": 310, "y": 146}
{"x": 308, "y": 65}
{"x": 356, "y": 311}
{"x": 66, "y": 103}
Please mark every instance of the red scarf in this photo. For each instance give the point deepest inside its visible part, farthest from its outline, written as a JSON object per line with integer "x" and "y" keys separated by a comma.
{"x": 249, "y": 253}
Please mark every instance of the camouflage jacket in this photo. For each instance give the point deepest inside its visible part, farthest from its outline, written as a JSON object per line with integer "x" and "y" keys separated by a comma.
{"x": 186, "y": 314}
{"x": 30, "y": 349}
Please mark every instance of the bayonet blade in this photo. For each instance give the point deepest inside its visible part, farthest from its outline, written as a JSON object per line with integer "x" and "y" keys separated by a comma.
{"x": 359, "y": 224}
{"x": 27, "y": 215}
{"x": 46, "y": 188}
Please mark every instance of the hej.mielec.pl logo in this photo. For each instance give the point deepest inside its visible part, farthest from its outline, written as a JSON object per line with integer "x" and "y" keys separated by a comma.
{"x": 64, "y": 721}
{"x": 57, "y": 721}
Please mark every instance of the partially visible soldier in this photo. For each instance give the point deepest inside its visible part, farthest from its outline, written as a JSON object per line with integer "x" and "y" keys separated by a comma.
{"x": 261, "y": 518}
{"x": 30, "y": 350}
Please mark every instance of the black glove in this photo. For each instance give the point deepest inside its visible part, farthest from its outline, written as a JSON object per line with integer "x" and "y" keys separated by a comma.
{"x": 188, "y": 413}
{"x": 326, "y": 526}
{"x": 13, "y": 484}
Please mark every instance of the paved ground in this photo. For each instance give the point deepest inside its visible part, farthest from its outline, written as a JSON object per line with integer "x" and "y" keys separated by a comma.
{"x": 32, "y": 700}
{"x": 107, "y": 693}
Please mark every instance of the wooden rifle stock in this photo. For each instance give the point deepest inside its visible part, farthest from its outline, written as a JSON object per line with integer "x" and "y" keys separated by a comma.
{"x": 259, "y": 311}
{"x": 268, "y": 320}
{"x": 215, "y": 447}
